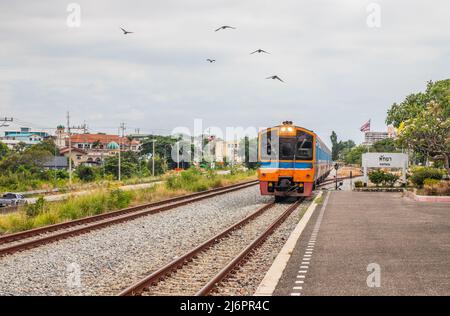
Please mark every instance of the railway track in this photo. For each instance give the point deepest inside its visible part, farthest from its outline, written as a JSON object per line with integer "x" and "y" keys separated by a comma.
{"x": 201, "y": 270}
{"x": 331, "y": 181}
{"x": 16, "y": 242}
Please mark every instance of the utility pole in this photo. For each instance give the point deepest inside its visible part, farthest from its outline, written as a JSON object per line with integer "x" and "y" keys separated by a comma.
{"x": 122, "y": 127}
{"x": 70, "y": 148}
{"x": 153, "y": 157}
{"x": 84, "y": 128}
{"x": 4, "y": 121}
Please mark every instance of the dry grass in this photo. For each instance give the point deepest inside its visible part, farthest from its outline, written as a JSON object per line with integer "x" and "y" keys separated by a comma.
{"x": 106, "y": 200}
{"x": 345, "y": 171}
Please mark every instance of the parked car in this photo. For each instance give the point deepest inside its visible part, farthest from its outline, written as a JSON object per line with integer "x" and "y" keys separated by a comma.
{"x": 12, "y": 199}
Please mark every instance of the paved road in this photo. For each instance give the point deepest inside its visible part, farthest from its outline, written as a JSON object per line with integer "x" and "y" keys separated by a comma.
{"x": 409, "y": 241}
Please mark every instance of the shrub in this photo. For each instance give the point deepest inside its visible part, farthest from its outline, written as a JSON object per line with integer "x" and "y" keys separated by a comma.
{"x": 377, "y": 177}
{"x": 390, "y": 179}
{"x": 359, "y": 184}
{"x": 119, "y": 199}
{"x": 420, "y": 174}
{"x": 35, "y": 209}
{"x": 85, "y": 173}
{"x": 436, "y": 187}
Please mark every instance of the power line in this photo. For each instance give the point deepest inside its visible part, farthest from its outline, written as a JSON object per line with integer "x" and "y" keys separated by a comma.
{"x": 4, "y": 121}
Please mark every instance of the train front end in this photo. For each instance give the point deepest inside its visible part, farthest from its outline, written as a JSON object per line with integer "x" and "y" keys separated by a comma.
{"x": 287, "y": 159}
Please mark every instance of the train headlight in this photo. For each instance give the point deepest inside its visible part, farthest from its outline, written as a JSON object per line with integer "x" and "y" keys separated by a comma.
{"x": 290, "y": 129}
{"x": 283, "y": 129}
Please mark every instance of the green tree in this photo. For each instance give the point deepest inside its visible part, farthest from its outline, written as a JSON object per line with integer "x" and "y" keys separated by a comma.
{"x": 4, "y": 150}
{"x": 354, "y": 156}
{"x": 129, "y": 165}
{"x": 416, "y": 103}
{"x": 340, "y": 149}
{"x": 386, "y": 145}
{"x": 334, "y": 146}
{"x": 429, "y": 133}
{"x": 47, "y": 145}
{"x": 248, "y": 150}
{"x": 163, "y": 145}
{"x": 161, "y": 165}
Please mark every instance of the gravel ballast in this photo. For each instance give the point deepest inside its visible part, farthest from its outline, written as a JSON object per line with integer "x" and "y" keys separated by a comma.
{"x": 106, "y": 261}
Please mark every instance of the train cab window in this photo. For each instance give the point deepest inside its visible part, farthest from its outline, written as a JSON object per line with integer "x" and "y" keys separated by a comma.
{"x": 298, "y": 148}
{"x": 304, "y": 146}
{"x": 287, "y": 145}
{"x": 269, "y": 145}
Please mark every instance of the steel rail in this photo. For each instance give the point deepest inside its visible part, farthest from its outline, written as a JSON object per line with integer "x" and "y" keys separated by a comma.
{"x": 160, "y": 274}
{"x": 164, "y": 272}
{"x": 107, "y": 219}
{"x": 244, "y": 254}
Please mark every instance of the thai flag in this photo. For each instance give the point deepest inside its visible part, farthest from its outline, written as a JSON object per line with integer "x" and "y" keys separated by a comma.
{"x": 365, "y": 127}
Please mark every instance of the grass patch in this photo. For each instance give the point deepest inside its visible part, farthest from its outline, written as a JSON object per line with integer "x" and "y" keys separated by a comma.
{"x": 104, "y": 200}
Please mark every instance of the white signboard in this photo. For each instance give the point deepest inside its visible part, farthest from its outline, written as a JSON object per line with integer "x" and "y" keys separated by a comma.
{"x": 385, "y": 160}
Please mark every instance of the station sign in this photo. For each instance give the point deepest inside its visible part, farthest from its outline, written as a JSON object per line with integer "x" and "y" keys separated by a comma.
{"x": 385, "y": 160}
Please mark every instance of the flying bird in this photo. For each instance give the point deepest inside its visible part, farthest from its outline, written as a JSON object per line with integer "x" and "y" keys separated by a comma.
{"x": 275, "y": 78}
{"x": 259, "y": 51}
{"x": 211, "y": 60}
{"x": 225, "y": 27}
{"x": 125, "y": 32}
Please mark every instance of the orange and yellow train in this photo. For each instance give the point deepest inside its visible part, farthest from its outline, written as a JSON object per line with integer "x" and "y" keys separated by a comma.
{"x": 292, "y": 160}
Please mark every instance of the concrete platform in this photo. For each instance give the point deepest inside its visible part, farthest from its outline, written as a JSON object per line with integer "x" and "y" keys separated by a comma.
{"x": 353, "y": 234}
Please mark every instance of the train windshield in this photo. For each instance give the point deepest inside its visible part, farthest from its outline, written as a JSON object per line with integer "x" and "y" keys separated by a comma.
{"x": 297, "y": 148}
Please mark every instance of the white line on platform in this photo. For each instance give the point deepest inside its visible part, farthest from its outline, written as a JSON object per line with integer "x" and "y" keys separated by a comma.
{"x": 304, "y": 267}
{"x": 295, "y": 294}
{"x": 300, "y": 276}
{"x": 297, "y": 288}
{"x": 302, "y": 271}
{"x": 299, "y": 282}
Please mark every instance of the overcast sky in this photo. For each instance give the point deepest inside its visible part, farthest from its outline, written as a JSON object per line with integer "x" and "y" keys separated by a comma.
{"x": 338, "y": 72}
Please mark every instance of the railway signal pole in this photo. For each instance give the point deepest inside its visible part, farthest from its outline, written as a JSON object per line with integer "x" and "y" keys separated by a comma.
{"x": 336, "y": 166}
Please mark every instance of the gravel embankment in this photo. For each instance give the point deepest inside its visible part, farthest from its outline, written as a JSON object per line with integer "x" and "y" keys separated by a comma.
{"x": 115, "y": 257}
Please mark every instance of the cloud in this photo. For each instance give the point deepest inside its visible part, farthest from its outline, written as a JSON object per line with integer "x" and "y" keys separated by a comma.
{"x": 338, "y": 72}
